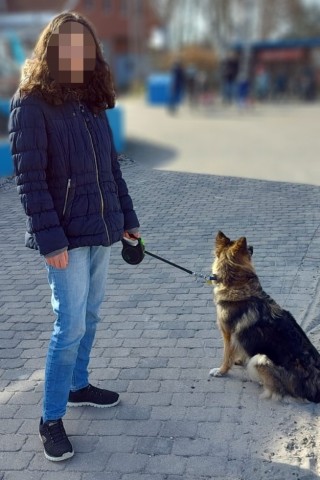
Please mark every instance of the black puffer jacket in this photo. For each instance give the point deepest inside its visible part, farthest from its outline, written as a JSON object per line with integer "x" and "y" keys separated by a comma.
{"x": 68, "y": 175}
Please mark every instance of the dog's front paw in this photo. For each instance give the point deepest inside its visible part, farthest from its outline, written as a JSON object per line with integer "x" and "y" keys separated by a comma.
{"x": 216, "y": 372}
{"x": 266, "y": 394}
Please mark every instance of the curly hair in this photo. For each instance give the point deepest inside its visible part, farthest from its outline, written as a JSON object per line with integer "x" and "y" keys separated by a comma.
{"x": 98, "y": 93}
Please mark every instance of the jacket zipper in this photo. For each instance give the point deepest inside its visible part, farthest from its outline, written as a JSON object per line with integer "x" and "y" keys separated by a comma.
{"x": 97, "y": 172}
{"x": 66, "y": 197}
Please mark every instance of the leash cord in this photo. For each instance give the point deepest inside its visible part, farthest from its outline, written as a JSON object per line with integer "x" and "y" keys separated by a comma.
{"x": 200, "y": 275}
{"x": 169, "y": 263}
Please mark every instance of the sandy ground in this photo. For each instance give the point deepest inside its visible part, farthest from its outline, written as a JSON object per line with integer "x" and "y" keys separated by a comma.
{"x": 269, "y": 142}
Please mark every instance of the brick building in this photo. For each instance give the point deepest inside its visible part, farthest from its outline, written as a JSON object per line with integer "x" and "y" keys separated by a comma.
{"x": 123, "y": 26}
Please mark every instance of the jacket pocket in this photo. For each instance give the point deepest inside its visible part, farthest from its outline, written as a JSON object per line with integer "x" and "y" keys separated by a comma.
{"x": 68, "y": 200}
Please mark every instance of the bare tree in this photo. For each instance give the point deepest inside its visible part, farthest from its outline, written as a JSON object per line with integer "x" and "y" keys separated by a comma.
{"x": 305, "y": 21}
{"x": 227, "y": 22}
{"x": 182, "y": 19}
{"x": 220, "y": 23}
{"x": 164, "y": 8}
{"x": 277, "y": 17}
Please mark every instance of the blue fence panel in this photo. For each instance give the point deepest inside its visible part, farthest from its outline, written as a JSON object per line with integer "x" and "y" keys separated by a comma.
{"x": 116, "y": 120}
{"x": 6, "y": 166}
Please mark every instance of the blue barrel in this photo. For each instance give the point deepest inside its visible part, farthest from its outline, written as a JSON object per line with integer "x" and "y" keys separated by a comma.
{"x": 158, "y": 88}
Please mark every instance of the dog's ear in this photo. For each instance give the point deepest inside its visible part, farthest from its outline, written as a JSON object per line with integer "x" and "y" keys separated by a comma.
{"x": 241, "y": 245}
{"x": 221, "y": 242}
{"x": 222, "y": 239}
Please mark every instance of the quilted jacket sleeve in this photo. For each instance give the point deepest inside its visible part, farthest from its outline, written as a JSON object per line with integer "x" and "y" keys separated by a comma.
{"x": 28, "y": 139}
{"x": 130, "y": 218}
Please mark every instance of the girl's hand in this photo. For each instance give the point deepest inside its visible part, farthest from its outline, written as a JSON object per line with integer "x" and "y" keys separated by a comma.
{"x": 58, "y": 261}
{"x": 131, "y": 235}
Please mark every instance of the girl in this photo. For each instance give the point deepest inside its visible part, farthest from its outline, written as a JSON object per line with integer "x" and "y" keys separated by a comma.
{"x": 76, "y": 201}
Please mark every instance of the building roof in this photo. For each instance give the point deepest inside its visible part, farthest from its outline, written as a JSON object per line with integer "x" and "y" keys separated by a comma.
{"x": 282, "y": 44}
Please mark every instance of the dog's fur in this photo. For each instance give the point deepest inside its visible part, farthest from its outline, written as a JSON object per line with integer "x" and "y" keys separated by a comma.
{"x": 277, "y": 352}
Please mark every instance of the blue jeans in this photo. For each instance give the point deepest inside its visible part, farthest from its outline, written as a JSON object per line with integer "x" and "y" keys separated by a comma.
{"x": 77, "y": 293}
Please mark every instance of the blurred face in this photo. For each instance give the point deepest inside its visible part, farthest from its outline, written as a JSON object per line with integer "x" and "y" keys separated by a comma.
{"x": 71, "y": 54}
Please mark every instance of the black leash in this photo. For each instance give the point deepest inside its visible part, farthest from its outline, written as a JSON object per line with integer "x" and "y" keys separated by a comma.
{"x": 133, "y": 251}
{"x": 207, "y": 278}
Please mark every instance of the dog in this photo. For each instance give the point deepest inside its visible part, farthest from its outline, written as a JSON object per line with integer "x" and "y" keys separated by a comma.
{"x": 256, "y": 330}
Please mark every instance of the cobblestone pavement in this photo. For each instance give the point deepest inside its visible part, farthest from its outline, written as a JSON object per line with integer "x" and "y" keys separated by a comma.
{"x": 158, "y": 340}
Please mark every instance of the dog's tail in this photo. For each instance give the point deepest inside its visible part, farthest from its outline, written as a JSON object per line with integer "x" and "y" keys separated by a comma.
{"x": 314, "y": 398}
{"x": 277, "y": 380}
{"x": 272, "y": 377}
{"x": 312, "y": 388}
{"x": 307, "y": 380}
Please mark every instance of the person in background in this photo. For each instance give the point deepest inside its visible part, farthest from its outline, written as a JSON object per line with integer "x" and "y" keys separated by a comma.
{"x": 191, "y": 84}
{"x": 178, "y": 84}
{"x": 229, "y": 75}
{"x": 281, "y": 84}
{"x": 76, "y": 201}
{"x": 262, "y": 83}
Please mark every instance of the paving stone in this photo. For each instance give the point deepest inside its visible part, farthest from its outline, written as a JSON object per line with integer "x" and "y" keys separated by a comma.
{"x": 166, "y": 464}
{"x": 127, "y": 462}
{"x": 14, "y": 461}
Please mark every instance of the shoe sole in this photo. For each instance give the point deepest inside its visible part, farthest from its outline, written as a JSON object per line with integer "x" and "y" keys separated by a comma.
{"x": 59, "y": 459}
{"x": 90, "y": 404}
{"x": 65, "y": 456}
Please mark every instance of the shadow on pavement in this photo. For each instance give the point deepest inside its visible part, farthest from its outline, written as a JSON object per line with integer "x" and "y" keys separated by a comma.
{"x": 150, "y": 154}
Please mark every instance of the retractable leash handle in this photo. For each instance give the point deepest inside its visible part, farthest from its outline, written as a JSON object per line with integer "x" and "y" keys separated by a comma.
{"x": 133, "y": 252}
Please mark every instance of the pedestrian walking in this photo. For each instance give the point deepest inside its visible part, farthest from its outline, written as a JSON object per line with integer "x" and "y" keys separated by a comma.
{"x": 261, "y": 83}
{"x": 177, "y": 89}
{"x": 191, "y": 84}
{"x": 76, "y": 201}
{"x": 229, "y": 74}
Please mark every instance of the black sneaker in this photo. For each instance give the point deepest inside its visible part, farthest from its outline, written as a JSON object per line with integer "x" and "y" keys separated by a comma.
{"x": 56, "y": 444}
{"x": 93, "y": 397}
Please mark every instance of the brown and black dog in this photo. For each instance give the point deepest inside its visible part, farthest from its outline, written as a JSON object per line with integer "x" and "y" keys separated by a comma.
{"x": 276, "y": 351}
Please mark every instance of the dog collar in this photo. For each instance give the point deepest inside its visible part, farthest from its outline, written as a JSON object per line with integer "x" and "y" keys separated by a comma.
{"x": 212, "y": 278}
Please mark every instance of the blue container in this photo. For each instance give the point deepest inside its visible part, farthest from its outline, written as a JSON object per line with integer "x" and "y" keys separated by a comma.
{"x": 158, "y": 89}
{"x": 6, "y": 165}
{"x": 116, "y": 120}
